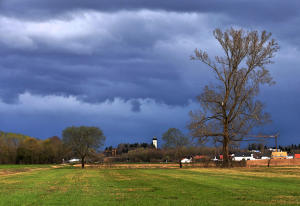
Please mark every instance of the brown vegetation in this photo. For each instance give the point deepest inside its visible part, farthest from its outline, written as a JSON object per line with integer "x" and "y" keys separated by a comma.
{"x": 19, "y": 149}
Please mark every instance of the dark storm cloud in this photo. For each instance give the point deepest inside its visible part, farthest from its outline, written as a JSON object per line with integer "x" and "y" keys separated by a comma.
{"x": 256, "y": 9}
{"x": 271, "y": 15}
{"x": 123, "y": 54}
{"x": 106, "y": 53}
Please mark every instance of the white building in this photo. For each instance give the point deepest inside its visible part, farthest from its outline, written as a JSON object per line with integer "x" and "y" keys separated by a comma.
{"x": 154, "y": 142}
{"x": 186, "y": 160}
{"x": 74, "y": 160}
{"x": 242, "y": 157}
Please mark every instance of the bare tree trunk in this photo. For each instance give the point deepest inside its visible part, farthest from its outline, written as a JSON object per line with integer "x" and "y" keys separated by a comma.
{"x": 225, "y": 146}
{"x": 82, "y": 162}
{"x": 225, "y": 152}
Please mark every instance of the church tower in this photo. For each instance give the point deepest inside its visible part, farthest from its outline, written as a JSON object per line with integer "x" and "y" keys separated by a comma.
{"x": 154, "y": 142}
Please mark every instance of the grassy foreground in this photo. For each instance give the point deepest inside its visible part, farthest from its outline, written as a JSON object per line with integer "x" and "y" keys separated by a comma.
{"x": 44, "y": 185}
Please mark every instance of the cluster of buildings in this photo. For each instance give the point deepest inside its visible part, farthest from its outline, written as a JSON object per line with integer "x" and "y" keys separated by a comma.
{"x": 238, "y": 156}
{"x": 256, "y": 155}
{"x": 251, "y": 155}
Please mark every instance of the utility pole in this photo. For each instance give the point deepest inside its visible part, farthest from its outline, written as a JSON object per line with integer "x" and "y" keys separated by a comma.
{"x": 276, "y": 142}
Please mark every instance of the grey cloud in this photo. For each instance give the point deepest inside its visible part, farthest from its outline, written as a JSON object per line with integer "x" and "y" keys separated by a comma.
{"x": 131, "y": 56}
{"x": 279, "y": 10}
{"x": 272, "y": 15}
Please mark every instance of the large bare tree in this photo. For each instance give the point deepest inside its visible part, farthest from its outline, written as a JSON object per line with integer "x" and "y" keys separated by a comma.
{"x": 229, "y": 107}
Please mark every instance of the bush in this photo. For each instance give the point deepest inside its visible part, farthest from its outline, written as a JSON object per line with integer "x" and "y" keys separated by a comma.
{"x": 144, "y": 155}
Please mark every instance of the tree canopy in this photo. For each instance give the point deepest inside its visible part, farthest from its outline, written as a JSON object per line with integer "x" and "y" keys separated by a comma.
{"x": 174, "y": 138}
{"x": 22, "y": 149}
{"x": 229, "y": 107}
{"x": 83, "y": 140}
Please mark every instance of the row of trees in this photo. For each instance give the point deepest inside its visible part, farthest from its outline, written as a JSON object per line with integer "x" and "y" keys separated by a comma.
{"x": 166, "y": 154}
{"x": 293, "y": 148}
{"x": 77, "y": 141}
{"x": 173, "y": 138}
{"x": 82, "y": 142}
{"x": 19, "y": 149}
{"x": 126, "y": 147}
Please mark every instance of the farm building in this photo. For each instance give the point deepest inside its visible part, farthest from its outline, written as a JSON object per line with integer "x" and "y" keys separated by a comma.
{"x": 186, "y": 160}
{"x": 279, "y": 155}
{"x": 74, "y": 160}
{"x": 242, "y": 156}
{"x": 201, "y": 157}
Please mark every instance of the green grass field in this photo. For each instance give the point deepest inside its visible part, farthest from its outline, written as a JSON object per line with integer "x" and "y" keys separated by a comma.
{"x": 44, "y": 185}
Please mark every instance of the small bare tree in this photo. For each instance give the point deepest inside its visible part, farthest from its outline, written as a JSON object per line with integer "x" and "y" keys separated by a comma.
{"x": 229, "y": 108}
{"x": 83, "y": 140}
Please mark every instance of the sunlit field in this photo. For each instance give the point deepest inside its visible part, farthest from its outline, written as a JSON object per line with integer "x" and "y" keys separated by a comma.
{"x": 68, "y": 185}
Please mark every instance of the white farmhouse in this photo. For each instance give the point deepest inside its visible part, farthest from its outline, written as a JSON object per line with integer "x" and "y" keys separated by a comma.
{"x": 74, "y": 160}
{"x": 186, "y": 160}
{"x": 242, "y": 157}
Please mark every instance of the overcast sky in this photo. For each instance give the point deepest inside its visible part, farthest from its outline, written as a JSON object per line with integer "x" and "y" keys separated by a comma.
{"x": 126, "y": 68}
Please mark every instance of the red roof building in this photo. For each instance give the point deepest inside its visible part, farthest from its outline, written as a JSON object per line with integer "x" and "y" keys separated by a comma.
{"x": 297, "y": 156}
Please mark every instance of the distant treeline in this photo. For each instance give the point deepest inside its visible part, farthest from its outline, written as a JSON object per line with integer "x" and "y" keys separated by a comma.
{"x": 21, "y": 149}
{"x": 291, "y": 149}
{"x": 126, "y": 147}
{"x": 151, "y": 154}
